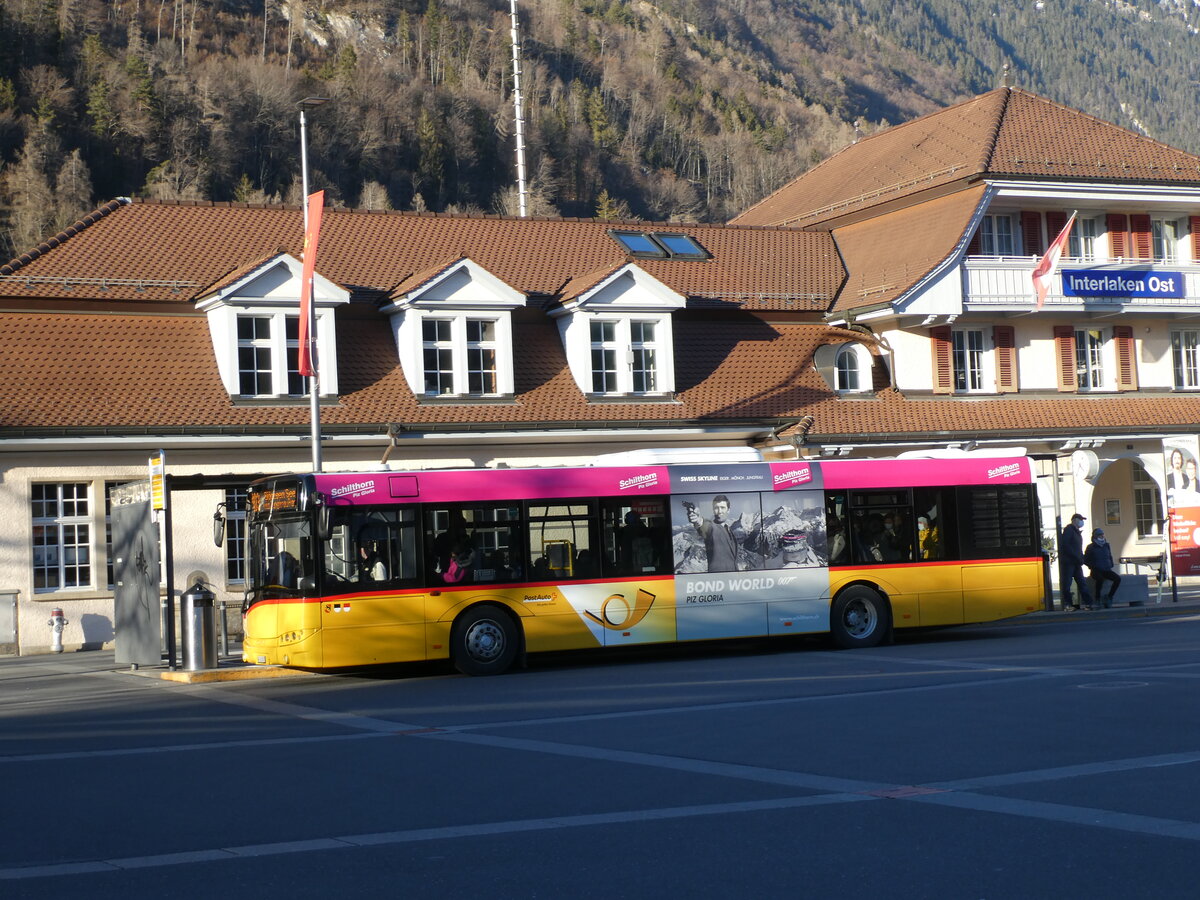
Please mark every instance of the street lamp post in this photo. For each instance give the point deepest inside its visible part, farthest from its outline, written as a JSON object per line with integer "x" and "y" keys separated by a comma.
{"x": 314, "y": 389}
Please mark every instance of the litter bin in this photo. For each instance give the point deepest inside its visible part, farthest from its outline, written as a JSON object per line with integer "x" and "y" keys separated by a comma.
{"x": 198, "y": 619}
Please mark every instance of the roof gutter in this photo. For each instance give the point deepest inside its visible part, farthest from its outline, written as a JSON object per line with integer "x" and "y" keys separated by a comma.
{"x": 567, "y": 433}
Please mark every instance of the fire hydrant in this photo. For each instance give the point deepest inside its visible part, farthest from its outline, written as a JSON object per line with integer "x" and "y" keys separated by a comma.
{"x": 57, "y": 622}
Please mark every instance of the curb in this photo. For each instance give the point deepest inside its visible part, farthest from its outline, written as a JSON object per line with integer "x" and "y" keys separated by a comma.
{"x": 228, "y": 673}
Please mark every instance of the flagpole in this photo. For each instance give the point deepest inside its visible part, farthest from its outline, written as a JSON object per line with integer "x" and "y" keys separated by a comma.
{"x": 314, "y": 389}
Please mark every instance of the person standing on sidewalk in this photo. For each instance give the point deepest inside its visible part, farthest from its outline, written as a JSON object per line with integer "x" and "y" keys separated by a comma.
{"x": 1098, "y": 557}
{"x": 1070, "y": 561}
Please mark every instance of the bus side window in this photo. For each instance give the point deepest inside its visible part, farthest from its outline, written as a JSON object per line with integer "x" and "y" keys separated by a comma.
{"x": 562, "y": 540}
{"x": 636, "y": 537}
{"x": 496, "y": 539}
{"x": 837, "y": 535}
{"x": 449, "y": 548}
{"x": 934, "y": 509}
{"x": 376, "y": 547}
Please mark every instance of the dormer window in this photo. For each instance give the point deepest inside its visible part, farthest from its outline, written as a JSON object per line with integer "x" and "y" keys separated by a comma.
{"x": 460, "y": 356}
{"x": 630, "y": 341}
{"x": 254, "y": 321}
{"x": 268, "y": 355}
{"x": 453, "y": 330}
{"x": 618, "y": 336}
{"x": 845, "y": 367}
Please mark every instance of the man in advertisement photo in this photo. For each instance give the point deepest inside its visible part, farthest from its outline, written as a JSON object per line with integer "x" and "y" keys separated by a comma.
{"x": 717, "y": 534}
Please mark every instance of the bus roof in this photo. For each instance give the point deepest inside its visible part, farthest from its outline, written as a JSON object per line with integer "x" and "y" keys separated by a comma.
{"x": 497, "y": 485}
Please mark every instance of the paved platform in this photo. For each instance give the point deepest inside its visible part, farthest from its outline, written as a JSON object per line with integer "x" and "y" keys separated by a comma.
{"x": 231, "y": 668}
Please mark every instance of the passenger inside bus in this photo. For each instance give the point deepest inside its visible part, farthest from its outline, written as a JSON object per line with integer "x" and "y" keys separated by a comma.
{"x": 285, "y": 570}
{"x": 454, "y": 552}
{"x": 868, "y": 543}
{"x": 371, "y": 565}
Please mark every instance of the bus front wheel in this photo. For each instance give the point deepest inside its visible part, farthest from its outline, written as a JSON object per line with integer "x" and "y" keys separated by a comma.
{"x": 483, "y": 641}
{"x": 859, "y": 618}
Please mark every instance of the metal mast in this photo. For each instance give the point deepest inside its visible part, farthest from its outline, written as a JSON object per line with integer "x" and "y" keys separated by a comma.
{"x": 519, "y": 114}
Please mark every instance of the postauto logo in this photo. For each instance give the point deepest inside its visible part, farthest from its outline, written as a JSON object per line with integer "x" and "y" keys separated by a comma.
{"x": 622, "y": 616}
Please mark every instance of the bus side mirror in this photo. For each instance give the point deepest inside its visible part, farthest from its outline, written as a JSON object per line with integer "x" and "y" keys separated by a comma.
{"x": 219, "y": 525}
{"x": 323, "y": 529}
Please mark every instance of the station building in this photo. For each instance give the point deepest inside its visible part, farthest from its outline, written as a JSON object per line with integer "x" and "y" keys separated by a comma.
{"x": 880, "y": 304}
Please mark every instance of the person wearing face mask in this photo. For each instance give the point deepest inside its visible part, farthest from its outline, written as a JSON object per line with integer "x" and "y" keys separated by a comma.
{"x": 1098, "y": 557}
{"x": 1070, "y": 561}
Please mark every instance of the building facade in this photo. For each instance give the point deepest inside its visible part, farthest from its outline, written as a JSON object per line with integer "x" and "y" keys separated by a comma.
{"x": 880, "y": 304}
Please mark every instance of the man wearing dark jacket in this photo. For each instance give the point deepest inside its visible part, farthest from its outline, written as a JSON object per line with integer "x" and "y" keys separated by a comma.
{"x": 1098, "y": 557}
{"x": 1070, "y": 561}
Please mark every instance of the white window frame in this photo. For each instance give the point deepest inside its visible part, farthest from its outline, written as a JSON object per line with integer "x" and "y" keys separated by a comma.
{"x": 282, "y": 353}
{"x": 1147, "y": 504}
{"x": 1164, "y": 239}
{"x": 1083, "y": 239}
{"x": 998, "y": 235}
{"x": 458, "y": 376}
{"x": 969, "y": 365}
{"x": 852, "y": 369}
{"x": 482, "y": 357}
{"x": 1095, "y": 365}
{"x": 1185, "y": 358}
{"x": 621, "y": 381}
{"x": 62, "y": 536}
{"x": 644, "y": 355}
{"x": 236, "y": 536}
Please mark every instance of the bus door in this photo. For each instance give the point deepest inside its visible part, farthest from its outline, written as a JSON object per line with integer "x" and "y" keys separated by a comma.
{"x": 373, "y": 605}
{"x": 282, "y": 575}
{"x": 940, "y": 588}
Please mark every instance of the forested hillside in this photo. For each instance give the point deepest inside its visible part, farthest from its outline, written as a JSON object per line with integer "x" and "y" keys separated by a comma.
{"x": 684, "y": 109}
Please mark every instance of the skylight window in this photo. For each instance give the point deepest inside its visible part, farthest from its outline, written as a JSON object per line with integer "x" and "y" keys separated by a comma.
{"x": 638, "y": 243}
{"x": 659, "y": 245}
{"x": 680, "y": 246}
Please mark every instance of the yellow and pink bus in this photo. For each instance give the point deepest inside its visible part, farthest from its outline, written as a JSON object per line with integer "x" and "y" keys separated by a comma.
{"x": 484, "y": 566}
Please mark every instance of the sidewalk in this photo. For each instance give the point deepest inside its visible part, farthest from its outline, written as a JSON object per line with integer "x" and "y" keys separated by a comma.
{"x": 1187, "y": 603}
{"x": 231, "y": 668}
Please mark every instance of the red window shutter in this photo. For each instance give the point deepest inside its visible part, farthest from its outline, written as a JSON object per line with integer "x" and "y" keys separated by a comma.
{"x": 1055, "y": 220}
{"x": 1126, "y": 358}
{"x": 1140, "y": 226}
{"x": 1031, "y": 233}
{"x": 1064, "y": 349}
{"x": 1118, "y": 235}
{"x": 1194, "y": 221}
{"x": 1004, "y": 337}
{"x": 943, "y": 362}
{"x": 975, "y": 245}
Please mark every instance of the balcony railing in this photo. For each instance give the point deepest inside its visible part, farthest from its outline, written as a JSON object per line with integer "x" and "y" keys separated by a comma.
{"x": 991, "y": 281}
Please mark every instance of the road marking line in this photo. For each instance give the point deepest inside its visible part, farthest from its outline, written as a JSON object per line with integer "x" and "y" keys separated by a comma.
{"x": 227, "y": 854}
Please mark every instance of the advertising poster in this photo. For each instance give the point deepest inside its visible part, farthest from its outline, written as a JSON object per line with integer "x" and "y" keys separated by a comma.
{"x": 1183, "y": 503}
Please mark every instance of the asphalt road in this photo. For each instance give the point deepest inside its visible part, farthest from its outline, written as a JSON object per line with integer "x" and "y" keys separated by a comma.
{"x": 1051, "y": 758}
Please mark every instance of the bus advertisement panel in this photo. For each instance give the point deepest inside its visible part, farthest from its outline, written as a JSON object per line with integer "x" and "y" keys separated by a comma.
{"x": 484, "y": 566}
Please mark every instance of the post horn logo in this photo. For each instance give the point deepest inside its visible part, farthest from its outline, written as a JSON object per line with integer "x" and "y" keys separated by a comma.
{"x": 632, "y": 614}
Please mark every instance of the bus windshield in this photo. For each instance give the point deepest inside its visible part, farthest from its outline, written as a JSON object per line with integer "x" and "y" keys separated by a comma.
{"x": 281, "y": 557}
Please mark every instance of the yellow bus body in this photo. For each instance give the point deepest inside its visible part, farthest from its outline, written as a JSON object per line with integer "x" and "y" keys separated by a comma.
{"x": 410, "y": 626}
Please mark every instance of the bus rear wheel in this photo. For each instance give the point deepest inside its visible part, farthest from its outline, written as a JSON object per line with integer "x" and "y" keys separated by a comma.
{"x": 859, "y": 618}
{"x": 483, "y": 641}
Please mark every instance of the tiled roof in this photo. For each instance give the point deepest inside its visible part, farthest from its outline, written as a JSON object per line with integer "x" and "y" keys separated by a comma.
{"x": 731, "y": 369}
{"x": 1042, "y": 139}
{"x": 172, "y": 251}
{"x": 128, "y": 373}
{"x": 1007, "y": 132}
{"x": 886, "y": 255}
